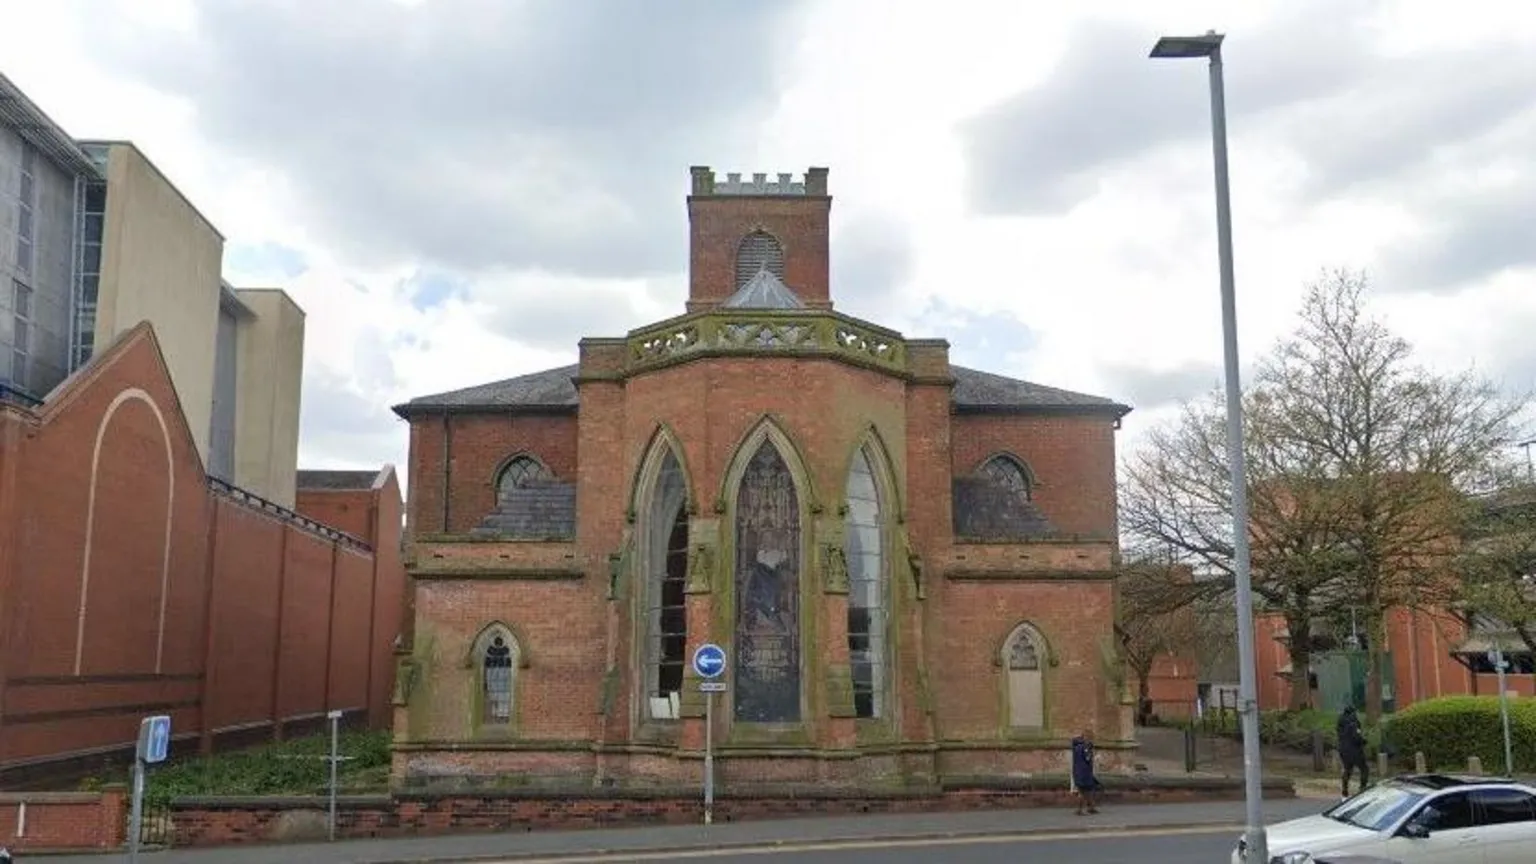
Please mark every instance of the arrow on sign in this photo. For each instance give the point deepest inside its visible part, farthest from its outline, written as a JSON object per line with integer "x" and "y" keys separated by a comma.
{"x": 709, "y": 661}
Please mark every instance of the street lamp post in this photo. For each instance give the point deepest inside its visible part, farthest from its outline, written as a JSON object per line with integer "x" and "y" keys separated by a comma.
{"x": 1256, "y": 844}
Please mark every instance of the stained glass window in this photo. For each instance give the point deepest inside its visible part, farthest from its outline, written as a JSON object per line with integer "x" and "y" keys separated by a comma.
{"x": 864, "y": 547}
{"x": 497, "y": 665}
{"x": 521, "y": 471}
{"x": 758, "y": 250}
{"x": 667, "y": 572}
{"x": 1007, "y": 472}
{"x": 767, "y": 584}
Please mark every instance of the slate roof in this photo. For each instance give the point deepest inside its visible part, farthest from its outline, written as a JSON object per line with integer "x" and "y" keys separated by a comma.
{"x": 764, "y": 291}
{"x": 336, "y": 480}
{"x": 989, "y": 511}
{"x": 554, "y": 391}
{"x": 536, "y": 510}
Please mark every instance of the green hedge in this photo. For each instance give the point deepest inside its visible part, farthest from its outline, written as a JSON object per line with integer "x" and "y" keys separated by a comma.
{"x": 1450, "y": 729}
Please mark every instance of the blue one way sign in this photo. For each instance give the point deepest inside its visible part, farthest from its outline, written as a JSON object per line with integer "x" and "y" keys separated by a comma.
{"x": 709, "y": 660}
{"x": 155, "y": 738}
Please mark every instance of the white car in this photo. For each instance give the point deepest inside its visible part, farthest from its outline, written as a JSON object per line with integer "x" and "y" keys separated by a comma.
{"x": 1428, "y": 818}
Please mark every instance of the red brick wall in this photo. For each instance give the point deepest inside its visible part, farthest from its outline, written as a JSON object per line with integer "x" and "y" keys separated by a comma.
{"x": 477, "y": 447}
{"x": 257, "y": 647}
{"x": 717, "y": 225}
{"x": 211, "y": 822}
{"x": 62, "y": 820}
{"x": 1073, "y": 459}
{"x": 374, "y": 515}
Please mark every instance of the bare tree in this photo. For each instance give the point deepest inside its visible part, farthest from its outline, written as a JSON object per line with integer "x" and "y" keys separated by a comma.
{"x": 1177, "y": 497}
{"x": 1358, "y": 461}
{"x": 1395, "y": 445}
{"x": 1147, "y": 627}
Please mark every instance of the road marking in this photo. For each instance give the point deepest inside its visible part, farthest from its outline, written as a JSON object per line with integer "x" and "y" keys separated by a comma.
{"x": 795, "y": 847}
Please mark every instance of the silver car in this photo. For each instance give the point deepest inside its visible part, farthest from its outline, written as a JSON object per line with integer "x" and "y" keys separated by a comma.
{"x": 1415, "y": 819}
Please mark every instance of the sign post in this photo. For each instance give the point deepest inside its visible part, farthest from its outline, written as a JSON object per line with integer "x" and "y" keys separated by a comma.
{"x": 1496, "y": 657}
{"x": 335, "y": 718}
{"x": 709, "y": 662}
{"x": 153, "y": 746}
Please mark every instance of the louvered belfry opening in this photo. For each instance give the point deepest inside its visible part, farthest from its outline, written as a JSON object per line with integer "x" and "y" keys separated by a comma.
{"x": 758, "y": 250}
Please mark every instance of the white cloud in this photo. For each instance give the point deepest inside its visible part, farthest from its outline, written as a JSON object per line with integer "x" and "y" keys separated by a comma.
{"x": 1122, "y": 276}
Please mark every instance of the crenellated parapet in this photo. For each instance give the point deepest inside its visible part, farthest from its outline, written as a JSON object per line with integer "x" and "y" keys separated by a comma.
{"x": 706, "y": 182}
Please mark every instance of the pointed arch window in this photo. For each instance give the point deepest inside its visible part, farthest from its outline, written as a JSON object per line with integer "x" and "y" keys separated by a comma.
{"x": 497, "y": 656}
{"x": 1022, "y": 655}
{"x": 519, "y": 473}
{"x": 864, "y": 549}
{"x": 666, "y": 574}
{"x": 758, "y": 250}
{"x": 1011, "y": 474}
{"x": 767, "y": 583}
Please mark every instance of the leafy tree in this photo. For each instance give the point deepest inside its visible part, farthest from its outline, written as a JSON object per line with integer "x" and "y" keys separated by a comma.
{"x": 1498, "y": 561}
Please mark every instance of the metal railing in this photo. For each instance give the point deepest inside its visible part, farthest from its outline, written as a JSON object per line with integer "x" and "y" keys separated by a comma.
{"x": 256, "y": 502}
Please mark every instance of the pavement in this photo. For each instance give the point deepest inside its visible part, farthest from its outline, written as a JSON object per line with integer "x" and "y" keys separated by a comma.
{"x": 1176, "y": 846}
{"x": 930, "y": 836}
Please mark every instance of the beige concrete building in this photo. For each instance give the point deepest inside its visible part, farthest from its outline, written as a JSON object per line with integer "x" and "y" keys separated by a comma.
{"x": 93, "y": 240}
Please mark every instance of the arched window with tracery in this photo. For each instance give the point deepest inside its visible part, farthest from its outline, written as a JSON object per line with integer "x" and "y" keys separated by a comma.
{"x": 864, "y": 550}
{"x": 1011, "y": 474}
{"x": 757, "y": 251}
{"x": 497, "y": 657}
{"x": 767, "y": 583}
{"x": 521, "y": 471}
{"x": 1023, "y": 664}
{"x": 665, "y": 523}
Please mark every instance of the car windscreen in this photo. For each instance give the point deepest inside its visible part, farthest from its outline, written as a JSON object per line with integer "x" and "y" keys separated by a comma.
{"x": 1377, "y": 808}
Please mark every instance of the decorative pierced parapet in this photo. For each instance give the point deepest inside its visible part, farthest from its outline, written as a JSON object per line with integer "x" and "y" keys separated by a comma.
{"x": 815, "y": 333}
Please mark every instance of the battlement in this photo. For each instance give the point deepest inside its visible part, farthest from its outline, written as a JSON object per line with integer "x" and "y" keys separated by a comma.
{"x": 705, "y": 182}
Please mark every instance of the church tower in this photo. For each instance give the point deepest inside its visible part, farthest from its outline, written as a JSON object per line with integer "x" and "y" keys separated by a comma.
{"x": 739, "y": 228}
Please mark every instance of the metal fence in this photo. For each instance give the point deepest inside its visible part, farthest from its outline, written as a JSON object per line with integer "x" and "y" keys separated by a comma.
{"x": 155, "y": 830}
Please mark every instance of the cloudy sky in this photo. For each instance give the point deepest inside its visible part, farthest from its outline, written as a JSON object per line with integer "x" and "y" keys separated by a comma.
{"x": 457, "y": 190}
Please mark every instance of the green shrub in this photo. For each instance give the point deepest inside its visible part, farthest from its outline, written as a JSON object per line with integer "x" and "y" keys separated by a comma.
{"x": 295, "y": 767}
{"x": 1450, "y": 729}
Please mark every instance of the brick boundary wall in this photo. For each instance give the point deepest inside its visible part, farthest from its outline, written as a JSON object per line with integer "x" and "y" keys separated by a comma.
{"x": 224, "y": 821}
{"x": 48, "y": 821}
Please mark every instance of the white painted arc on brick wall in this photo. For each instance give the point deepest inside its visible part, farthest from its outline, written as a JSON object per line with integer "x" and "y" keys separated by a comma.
{"x": 127, "y": 395}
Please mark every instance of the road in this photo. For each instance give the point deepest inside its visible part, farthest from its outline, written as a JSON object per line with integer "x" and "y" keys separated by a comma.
{"x": 1177, "y": 846}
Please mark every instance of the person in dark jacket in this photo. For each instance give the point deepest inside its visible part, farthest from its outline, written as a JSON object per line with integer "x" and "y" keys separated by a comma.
{"x": 1084, "y": 781}
{"x": 1352, "y": 749}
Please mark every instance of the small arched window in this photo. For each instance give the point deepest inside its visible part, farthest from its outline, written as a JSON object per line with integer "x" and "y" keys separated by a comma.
{"x": 498, "y": 658}
{"x": 1022, "y": 656}
{"x": 520, "y": 472}
{"x": 757, "y": 251}
{"x": 1010, "y": 474}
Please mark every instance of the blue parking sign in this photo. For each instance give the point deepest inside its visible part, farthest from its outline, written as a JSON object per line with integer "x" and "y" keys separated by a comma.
{"x": 155, "y": 738}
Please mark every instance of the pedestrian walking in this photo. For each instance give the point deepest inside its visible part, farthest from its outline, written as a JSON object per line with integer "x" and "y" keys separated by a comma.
{"x": 1352, "y": 749}
{"x": 1084, "y": 782}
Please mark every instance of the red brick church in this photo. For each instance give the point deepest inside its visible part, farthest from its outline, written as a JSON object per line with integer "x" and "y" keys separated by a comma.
{"x": 909, "y": 563}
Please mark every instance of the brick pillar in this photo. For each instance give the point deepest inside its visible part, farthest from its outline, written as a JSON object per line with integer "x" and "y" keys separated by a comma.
{"x": 706, "y": 571}
{"x": 277, "y": 640}
{"x": 11, "y": 442}
{"x": 834, "y": 663}
{"x": 603, "y": 475}
{"x": 928, "y": 531}
{"x": 114, "y": 815}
